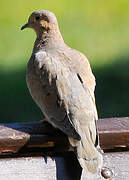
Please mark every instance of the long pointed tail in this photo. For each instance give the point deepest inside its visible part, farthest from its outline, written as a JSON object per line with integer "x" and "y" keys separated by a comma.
{"x": 92, "y": 162}
{"x": 89, "y": 156}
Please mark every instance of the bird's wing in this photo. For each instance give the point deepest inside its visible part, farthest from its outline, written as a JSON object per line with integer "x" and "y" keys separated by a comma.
{"x": 88, "y": 150}
{"x": 83, "y": 70}
{"x": 87, "y": 78}
{"x": 53, "y": 77}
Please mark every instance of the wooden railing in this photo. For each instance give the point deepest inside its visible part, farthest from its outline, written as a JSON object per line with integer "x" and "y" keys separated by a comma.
{"x": 38, "y": 151}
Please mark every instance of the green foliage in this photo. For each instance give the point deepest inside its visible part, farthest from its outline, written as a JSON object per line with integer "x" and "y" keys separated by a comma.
{"x": 100, "y": 29}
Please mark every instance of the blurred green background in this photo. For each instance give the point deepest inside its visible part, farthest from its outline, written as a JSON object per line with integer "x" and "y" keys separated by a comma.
{"x": 98, "y": 28}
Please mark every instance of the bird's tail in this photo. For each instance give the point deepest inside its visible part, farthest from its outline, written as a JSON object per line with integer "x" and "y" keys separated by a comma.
{"x": 88, "y": 154}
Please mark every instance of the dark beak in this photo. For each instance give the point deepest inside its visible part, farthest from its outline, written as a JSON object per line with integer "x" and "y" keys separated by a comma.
{"x": 27, "y": 25}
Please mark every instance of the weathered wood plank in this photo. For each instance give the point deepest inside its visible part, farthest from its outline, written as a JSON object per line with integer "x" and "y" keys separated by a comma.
{"x": 114, "y": 132}
{"x": 60, "y": 168}
{"x": 27, "y": 140}
{"x": 118, "y": 163}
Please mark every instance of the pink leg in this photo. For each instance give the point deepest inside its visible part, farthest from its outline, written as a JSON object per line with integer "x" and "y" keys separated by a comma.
{"x": 44, "y": 120}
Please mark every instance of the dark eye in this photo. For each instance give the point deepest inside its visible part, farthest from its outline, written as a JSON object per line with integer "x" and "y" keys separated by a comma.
{"x": 37, "y": 18}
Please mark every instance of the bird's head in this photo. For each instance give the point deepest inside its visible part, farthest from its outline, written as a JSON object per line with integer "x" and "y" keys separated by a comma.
{"x": 41, "y": 20}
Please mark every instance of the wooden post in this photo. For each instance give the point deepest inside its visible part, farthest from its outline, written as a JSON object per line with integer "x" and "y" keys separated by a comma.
{"x": 38, "y": 151}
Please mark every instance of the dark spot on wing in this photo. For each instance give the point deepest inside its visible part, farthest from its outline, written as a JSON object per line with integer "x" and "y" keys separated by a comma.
{"x": 79, "y": 77}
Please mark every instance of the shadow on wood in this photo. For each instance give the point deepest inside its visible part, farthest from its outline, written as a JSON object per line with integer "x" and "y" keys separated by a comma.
{"x": 68, "y": 168}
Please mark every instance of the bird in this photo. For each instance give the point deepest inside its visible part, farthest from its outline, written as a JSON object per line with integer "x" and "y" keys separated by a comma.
{"x": 61, "y": 82}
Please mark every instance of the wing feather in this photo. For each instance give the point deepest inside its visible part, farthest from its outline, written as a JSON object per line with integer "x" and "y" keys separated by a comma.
{"x": 55, "y": 91}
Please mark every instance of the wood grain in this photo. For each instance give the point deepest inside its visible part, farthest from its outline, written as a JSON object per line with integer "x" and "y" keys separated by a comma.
{"x": 60, "y": 168}
{"x": 38, "y": 151}
{"x": 114, "y": 132}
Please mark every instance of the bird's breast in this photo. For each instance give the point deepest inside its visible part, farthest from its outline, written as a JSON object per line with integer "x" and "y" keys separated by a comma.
{"x": 40, "y": 89}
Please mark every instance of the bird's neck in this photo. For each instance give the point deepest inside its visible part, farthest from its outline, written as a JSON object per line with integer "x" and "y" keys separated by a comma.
{"x": 49, "y": 39}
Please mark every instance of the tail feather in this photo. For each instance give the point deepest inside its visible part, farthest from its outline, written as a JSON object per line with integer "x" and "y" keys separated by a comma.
{"x": 89, "y": 157}
{"x": 92, "y": 162}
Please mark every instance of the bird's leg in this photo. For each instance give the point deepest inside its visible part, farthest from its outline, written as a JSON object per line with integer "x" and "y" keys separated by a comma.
{"x": 44, "y": 120}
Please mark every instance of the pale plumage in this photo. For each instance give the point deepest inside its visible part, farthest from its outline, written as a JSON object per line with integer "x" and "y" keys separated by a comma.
{"x": 61, "y": 82}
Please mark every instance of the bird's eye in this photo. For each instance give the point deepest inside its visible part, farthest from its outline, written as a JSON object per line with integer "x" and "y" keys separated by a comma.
{"x": 37, "y": 18}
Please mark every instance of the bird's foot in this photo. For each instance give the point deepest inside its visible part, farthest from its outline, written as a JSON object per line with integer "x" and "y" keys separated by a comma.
{"x": 44, "y": 120}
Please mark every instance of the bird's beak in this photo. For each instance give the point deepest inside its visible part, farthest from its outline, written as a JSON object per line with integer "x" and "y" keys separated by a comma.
{"x": 27, "y": 25}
